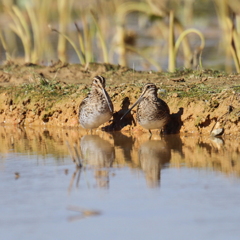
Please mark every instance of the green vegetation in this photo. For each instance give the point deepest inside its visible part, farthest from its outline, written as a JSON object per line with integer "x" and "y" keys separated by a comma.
{"x": 182, "y": 82}
{"x": 43, "y": 89}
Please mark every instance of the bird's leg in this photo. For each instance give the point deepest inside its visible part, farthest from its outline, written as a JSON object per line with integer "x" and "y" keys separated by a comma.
{"x": 150, "y": 134}
{"x": 161, "y": 132}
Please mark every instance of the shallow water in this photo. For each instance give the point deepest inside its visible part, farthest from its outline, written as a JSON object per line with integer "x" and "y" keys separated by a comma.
{"x": 129, "y": 187}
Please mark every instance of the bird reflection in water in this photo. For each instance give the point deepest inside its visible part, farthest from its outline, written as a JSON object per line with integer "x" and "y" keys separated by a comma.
{"x": 153, "y": 155}
{"x": 99, "y": 154}
{"x": 125, "y": 143}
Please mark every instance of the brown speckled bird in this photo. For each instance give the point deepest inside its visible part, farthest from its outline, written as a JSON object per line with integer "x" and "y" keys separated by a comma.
{"x": 97, "y": 107}
{"x": 152, "y": 112}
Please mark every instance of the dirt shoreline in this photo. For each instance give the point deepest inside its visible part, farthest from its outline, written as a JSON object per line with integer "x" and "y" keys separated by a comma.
{"x": 200, "y": 101}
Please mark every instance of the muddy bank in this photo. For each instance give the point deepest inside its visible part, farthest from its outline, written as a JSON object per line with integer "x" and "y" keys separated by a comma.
{"x": 199, "y": 100}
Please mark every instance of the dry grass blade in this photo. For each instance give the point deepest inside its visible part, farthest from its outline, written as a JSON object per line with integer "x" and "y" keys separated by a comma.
{"x": 81, "y": 42}
{"x": 36, "y": 34}
{"x": 82, "y": 213}
{"x": 140, "y": 53}
{"x": 5, "y": 46}
{"x": 183, "y": 35}
{"x": 101, "y": 39}
{"x": 171, "y": 46}
{"x": 227, "y": 12}
{"x": 20, "y": 27}
{"x": 121, "y": 13}
{"x": 64, "y": 11}
{"x": 80, "y": 57}
{"x": 234, "y": 48}
{"x": 88, "y": 34}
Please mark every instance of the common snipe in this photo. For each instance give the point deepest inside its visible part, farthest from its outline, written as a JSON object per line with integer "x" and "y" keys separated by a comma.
{"x": 152, "y": 112}
{"x": 97, "y": 107}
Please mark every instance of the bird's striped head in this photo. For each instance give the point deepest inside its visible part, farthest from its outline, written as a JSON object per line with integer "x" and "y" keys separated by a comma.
{"x": 99, "y": 86}
{"x": 99, "y": 82}
{"x": 149, "y": 89}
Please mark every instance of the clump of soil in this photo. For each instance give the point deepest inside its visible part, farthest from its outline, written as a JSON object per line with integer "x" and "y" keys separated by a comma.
{"x": 200, "y": 101}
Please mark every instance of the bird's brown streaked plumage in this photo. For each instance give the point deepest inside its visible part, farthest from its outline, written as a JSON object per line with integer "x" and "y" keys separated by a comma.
{"x": 152, "y": 112}
{"x": 97, "y": 107}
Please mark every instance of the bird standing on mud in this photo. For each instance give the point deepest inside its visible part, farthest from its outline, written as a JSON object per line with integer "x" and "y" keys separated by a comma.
{"x": 97, "y": 107}
{"x": 152, "y": 112}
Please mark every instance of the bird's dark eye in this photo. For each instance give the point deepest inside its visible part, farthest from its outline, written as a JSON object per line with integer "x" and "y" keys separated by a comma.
{"x": 148, "y": 87}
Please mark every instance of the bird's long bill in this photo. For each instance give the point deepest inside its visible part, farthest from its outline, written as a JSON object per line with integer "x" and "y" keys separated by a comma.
{"x": 105, "y": 95}
{"x": 138, "y": 101}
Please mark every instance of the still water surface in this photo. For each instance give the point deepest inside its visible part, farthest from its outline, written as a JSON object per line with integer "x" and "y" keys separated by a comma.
{"x": 128, "y": 188}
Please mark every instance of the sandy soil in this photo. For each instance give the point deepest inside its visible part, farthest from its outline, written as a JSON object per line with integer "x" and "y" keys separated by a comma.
{"x": 200, "y": 101}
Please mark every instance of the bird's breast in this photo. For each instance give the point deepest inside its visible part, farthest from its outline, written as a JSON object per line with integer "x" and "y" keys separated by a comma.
{"x": 152, "y": 114}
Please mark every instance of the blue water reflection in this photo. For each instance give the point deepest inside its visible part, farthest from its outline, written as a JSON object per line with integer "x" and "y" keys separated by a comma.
{"x": 128, "y": 188}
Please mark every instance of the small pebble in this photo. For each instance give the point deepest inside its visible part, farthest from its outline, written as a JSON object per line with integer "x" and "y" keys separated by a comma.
{"x": 17, "y": 175}
{"x": 175, "y": 95}
{"x": 162, "y": 91}
{"x": 217, "y": 132}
